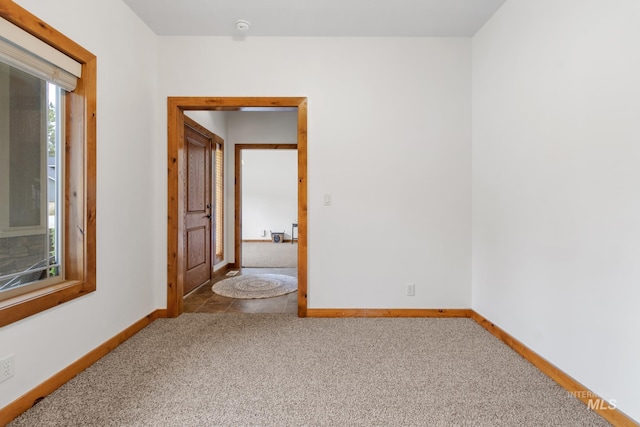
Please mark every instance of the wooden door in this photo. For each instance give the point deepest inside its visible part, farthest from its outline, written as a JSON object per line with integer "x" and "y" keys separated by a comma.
{"x": 197, "y": 239}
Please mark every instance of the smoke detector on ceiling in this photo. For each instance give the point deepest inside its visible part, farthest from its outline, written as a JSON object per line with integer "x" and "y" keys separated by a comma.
{"x": 243, "y": 25}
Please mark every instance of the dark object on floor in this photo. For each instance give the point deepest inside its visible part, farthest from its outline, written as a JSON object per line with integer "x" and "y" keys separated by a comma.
{"x": 277, "y": 236}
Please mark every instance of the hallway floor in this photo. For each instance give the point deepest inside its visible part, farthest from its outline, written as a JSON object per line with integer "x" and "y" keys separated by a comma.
{"x": 203, "y": 300}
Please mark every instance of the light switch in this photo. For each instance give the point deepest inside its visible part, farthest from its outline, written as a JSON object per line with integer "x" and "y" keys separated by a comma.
{"x": 327, "y": 199}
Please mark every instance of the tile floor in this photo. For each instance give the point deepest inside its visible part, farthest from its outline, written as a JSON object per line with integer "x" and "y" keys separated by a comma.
{"x": 203, "y": 300}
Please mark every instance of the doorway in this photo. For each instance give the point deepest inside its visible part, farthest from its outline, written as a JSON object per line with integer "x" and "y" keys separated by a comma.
{"x": 240, "y": 209}
{"x": 176, "y": 257}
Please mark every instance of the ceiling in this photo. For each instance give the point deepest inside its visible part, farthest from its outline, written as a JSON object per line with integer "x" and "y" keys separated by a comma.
{"x": 322, "y": 18}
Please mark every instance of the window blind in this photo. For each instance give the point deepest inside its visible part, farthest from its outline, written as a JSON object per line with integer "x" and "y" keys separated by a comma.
{"x": 219, "y": 195}
{"x": 25, "y": 52}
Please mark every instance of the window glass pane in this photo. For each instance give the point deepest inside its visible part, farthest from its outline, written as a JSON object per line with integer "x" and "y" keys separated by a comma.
{"x": 29, "y": 178}
{"x": 55, "y": 111}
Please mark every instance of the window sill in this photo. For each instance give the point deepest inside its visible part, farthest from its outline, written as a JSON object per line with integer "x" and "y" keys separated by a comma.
{"x": 28, "y": 304}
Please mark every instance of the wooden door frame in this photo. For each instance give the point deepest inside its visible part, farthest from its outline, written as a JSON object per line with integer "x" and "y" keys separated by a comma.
{"x": 238, "y": 190}
{"x": 176, "y": 106}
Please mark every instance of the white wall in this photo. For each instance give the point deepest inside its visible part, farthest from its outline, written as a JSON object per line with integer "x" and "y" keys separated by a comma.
{"x": 214, "y": 121}
{"x": 269, "y": 192}
{"x": 556, "y": 201}
{"x": 127, "y": 144}
{"x": 264, "y": 127}
{"x": 389, "y": 138}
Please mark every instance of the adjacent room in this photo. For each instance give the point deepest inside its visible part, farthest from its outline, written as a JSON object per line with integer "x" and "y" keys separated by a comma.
{"x": 462, "y": 205}
{"x": 264, "y": 168}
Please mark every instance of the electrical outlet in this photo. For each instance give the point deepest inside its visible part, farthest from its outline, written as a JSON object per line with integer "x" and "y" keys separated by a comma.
{"x": 7, "y": 367}
{"x": 411, "y": 289}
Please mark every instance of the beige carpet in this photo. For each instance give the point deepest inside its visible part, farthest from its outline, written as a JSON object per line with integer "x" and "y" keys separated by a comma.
{"x": 268, "y": 254}
{"x": 279, "y": 370}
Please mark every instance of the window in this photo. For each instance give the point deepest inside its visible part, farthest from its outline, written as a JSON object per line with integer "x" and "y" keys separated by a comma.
{"x": 219, "y": 200}
{"x": 47, "y": 193}
{"x": 30, "y": 166}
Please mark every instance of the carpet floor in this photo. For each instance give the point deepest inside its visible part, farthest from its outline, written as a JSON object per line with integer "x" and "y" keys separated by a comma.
{"x": 268, "y": 254}
{"x": 280, "y": 370}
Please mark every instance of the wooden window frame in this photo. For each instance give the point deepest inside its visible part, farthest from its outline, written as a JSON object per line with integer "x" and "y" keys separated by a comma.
{"x": 79, "y": 222}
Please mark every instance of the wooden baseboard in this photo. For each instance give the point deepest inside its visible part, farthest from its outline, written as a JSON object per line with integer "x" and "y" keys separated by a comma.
{"x": 589, "y": 398}
{"x": 392, "y": 312}
{"x": 30, "y": 398}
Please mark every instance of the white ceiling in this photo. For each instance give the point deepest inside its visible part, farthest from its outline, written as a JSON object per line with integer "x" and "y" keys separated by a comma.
{"x": 325, "y": 18}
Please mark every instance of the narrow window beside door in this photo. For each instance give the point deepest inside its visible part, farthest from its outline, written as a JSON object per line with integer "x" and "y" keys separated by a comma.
{"x": 219, "y": 200}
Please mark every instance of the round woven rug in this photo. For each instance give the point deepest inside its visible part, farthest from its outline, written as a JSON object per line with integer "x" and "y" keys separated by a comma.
{"x": 256, "y": 286}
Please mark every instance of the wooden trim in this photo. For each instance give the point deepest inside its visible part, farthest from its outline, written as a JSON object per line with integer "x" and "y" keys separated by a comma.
{"x": 175, "y": 169}
{"x": 237, "y": 248}
{"x": 391, "y": 312}
{"x": 302, "y": 208}
{"x": 27, "y": 400}
{"x": 597, "y": 404}
{"x": 33, "y": 25}
{"x": 79, "y": 231}
{"x": 235, "y": 103}
{"x": 22, "y": 306}
{"x": 175, "y": 200}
